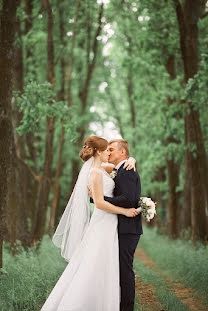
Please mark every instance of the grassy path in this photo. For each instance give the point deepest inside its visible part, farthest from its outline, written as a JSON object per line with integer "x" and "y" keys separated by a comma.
{"x": 156, "y": 290}
{"x": 170, "y": 275}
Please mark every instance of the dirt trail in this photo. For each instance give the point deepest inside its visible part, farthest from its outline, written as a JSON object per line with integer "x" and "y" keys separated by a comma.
{"x": 147, "y": 297}
{"x": 185, "y": 295}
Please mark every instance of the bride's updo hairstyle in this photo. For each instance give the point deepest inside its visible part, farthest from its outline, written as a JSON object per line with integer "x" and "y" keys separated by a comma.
{"x": 92, "y": 144}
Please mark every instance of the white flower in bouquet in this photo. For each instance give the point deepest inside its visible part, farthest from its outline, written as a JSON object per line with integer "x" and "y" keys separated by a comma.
{"x": 147, "y": 207}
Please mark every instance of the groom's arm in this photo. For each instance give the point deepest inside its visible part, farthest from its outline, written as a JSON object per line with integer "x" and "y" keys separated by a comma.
{"x": 129, "y": 184}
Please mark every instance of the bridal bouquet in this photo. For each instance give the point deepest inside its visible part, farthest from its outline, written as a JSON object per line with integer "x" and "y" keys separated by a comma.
{"x": 147, "y": 207}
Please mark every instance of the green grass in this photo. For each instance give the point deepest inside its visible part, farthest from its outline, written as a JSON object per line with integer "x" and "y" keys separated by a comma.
{"x": 29, "y": 277}
{"x": 137, "y": 305}
{"x": 179, "y": 258}
{"x": 164, "y": 295}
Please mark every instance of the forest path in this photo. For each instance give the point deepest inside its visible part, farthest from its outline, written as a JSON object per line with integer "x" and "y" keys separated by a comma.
{"x": 148, "y": 299}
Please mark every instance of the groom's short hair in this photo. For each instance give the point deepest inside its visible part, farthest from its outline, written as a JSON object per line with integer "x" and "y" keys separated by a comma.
{"x": 122, "y": 143}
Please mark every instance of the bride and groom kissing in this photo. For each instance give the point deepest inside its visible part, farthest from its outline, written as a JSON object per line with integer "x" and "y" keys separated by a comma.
{"x": 100, "y": 249}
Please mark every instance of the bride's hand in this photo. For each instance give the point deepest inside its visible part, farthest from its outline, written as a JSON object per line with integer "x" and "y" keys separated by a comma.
{"x": 131, "y": 212}
{"x": 130, "y": 163}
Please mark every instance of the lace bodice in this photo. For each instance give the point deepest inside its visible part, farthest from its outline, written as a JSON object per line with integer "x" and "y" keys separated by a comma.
{"x": 108, "y": 183}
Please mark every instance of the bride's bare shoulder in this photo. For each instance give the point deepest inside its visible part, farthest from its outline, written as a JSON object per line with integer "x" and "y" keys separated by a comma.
{"x": 95, "y": 171}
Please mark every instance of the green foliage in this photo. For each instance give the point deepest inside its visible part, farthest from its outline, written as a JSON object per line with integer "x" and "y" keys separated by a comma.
{"x": 196, "y": 89}
{"x": 29, "y": 277}
{"x": 37, "y": 102}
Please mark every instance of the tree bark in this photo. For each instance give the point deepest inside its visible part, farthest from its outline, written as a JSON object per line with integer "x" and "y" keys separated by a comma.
{"x": 173, "y": 201}
{"x": 8, "y": 15}
{"x": 69, "y": 100}
{"x": 173, "y": 167}
{"x": 20, "y": 186}
{"x": 188, "y": 17}
{"x": 131, "y": 106}
{"x": 91, "y": 65}
{"x": 186, "y": 207}
{"x": 40, "y": 221}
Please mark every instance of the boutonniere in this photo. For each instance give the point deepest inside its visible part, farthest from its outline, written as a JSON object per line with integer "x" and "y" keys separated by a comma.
{"x": 113, "y": 174}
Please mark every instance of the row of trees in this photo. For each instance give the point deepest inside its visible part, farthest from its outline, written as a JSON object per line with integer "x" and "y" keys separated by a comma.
{"x": 65, "y": 65}
{"x": 163, "y": 80}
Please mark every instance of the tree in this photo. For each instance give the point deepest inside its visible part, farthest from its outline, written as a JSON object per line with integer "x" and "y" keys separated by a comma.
{"x": 7, "y": 30}
{"x": 188, "y": 17}
{"x": 39, "y": 225}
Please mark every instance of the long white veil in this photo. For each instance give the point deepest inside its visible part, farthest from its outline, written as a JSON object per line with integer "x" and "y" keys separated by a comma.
{"x": 76, "y": 216}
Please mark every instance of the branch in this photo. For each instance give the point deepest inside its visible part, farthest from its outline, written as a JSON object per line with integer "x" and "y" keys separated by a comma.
{"x": 36, "y": 178}
{"x": 182, "y": 27}
{"x": 45, "y": 4}
{"x": 50, "y": 47}
{"x": 91, "y": 66}
{"x": 71, "y": 54}
{"x": 204, "y": 15}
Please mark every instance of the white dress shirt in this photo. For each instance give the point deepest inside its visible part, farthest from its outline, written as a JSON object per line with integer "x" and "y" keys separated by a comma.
{"x": 119, "y": 164}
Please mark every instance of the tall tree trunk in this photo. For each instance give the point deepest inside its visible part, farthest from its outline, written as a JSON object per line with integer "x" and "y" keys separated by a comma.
{"x": 8, "y": 15}
{"x": 186, "y": 207}
{"x": 40, "y": 222}
{"x": 188, "y": 17}
{"x": 56, "y": 190}
{"x": 30, "y": 137}
{"x": 159, "y": 177}
{"x": 173, "y": 167}
{"x": 19, "y": 187}
{"x": 130, "y": 93}
{"x": 84, "y": 91}
{"x": 173, "y": 201}
{"x": 31, "y": 185}
{"x": 69, "y": 100}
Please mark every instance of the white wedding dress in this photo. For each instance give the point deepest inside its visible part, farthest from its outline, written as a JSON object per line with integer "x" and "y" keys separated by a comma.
{"x": 90, "y": 281}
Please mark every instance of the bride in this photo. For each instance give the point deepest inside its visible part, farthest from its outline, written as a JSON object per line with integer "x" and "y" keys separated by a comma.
{"x": 90, "y": 282}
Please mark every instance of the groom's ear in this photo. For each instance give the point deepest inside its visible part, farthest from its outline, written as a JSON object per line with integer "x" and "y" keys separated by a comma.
{"x": 123, "y": 151}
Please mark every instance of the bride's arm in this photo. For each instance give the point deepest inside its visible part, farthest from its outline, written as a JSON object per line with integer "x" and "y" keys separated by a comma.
{"x": 130, "y": 164}
{"x": 108, "y": 167}
{"x": 98, "y": 197}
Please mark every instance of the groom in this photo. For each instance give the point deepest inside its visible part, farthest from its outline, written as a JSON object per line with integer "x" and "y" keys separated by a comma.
{"x": 126, "y": 194}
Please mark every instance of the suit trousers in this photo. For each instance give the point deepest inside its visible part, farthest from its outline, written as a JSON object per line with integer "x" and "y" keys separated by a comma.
{"x": 127, "y": 246}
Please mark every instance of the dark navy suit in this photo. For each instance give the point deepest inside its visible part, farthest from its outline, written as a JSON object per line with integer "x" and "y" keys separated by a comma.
{"x": 126, "y": 194}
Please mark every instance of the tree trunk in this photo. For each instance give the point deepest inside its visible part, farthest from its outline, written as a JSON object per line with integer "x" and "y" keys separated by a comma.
{"x": 69, "y": 100}
{"x": 84, "y": 91}
{"x": 56, "y": 191}
{"x": 173, "y": 168}
{"x": 185, "y": 215}
{"x": 173, "y": 201}
{"x": 159, "y": 177}
{"x": 40, "y": 222}
{"x": 8, "y": 15}
{"x": 131, "y": 104}
{"x": 188, "y": 17}
{"x": 20, "y": 178}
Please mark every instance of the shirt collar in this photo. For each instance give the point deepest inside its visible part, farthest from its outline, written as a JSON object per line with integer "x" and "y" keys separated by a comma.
{"x": 119, "y": 164}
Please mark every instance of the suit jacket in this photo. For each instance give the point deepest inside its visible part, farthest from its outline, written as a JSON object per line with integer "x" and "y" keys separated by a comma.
{"x": 126, "y": 194}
